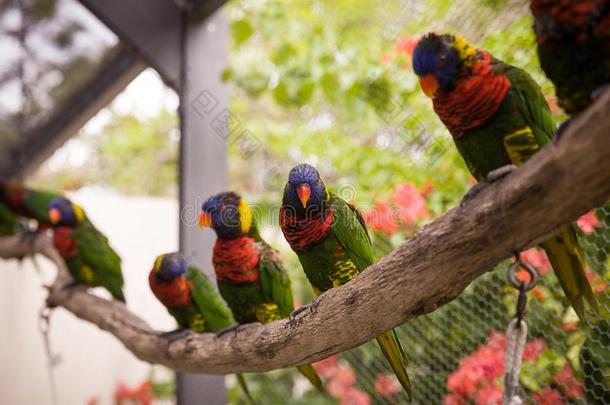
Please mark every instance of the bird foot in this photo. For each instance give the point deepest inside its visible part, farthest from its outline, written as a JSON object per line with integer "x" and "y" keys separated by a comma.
{"x": 174, "y": 335}
{"x": 492, "y": 177}
{"x": 598, "y": 92}
{"x": 313, "y": 307}
{"x": 237, "y": 328}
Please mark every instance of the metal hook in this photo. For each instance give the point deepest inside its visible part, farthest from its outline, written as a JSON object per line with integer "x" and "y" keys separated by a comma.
{"x": 514, "y": 280}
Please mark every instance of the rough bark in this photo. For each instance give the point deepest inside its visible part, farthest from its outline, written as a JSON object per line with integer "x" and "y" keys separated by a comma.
{"x": 560, "y": 183}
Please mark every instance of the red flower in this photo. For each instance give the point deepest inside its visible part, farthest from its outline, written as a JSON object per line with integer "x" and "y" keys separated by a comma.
{"x": 410, "y": 204}
{"x": 596, "y": 282}
{"x": 489, "y": 394}
{"x": 386, "y": 385}
{"x": 548, "y": 396}
{"x": 533, "y": 349}
{"x": 406, "y": 45}
{"x": 141, "y": 395}
{"x": 588, "y": 222}
{"x": 569, "y": 326}
{"x": 568, "y": 384}
{"x": 427, "y": 188}
{"x": 381, "y": 219}
{"x": 354, "y": 396}
{"x": 538, "y": 259}
{"x": 453, "y": 399}
{"x": 343, "y": 380}
{"x": 327, "y": 368}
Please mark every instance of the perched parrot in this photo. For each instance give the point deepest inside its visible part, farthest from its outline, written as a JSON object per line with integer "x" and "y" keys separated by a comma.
{"x": 573, "y": 39}
{"x": 498, "y": 117}
{"x": 28, "y": 203}
{"x": 190, "y": 298}
{"x": 249, "y": 272}
{"x": 332, "y": 243}
{"x": 88, "y": 256}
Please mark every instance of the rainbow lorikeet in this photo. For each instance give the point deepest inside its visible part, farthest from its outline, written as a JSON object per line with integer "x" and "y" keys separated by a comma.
{"x": 498, "y": 117}
{"x": 27, "y": 202}
{"x": 85, "y": 250}
{"x": 332, "y": 243}
{"x": 573, "y": 38}
{"x": 190, "y": 298}
{"x": 249, "y": 272}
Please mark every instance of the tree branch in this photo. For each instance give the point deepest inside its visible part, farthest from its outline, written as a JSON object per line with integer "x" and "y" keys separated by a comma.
{"x": 432, "y": 268}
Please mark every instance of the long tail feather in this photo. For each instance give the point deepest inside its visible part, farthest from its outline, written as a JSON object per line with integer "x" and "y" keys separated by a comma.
{"x": 308, "y": 371}
{"x": 244, "y": 387}
{"x": 392, "y": 350}
{"x": 567, "y": 259}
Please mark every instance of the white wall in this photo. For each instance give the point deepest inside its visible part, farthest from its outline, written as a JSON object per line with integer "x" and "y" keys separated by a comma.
{"x": 93, "y": 362}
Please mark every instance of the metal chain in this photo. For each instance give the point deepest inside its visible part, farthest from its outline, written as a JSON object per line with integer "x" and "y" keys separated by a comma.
{"x": 44, "y": 326}
{"x": 516, "y": 334}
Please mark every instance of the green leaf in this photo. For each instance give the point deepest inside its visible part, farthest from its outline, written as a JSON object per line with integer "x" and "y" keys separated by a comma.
{"x": 241, "y": 30}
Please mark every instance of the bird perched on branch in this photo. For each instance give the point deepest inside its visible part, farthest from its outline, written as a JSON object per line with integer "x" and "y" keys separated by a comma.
{"x": 191, "y": 299}
{"x": 573, "y": 38}
{"x": 85, "y": 250}
{"x": 332, "y": 243}
{"x": 498, "y": 118}
{"x": 249, "y": 273}
{"x": 26, "y": 202}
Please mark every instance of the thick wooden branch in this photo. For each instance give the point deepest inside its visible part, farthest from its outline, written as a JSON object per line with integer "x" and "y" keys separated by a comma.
{"x": 556, "y": 186}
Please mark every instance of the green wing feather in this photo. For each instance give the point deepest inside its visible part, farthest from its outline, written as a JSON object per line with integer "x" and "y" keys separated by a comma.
{"x": 95, "y": 252}
{"x": 275, "y": 283}
{"x": 215, "y": 312}
{"x": 563, "y": 249}
{"x": 36, "y": 202}
{"x": 8, "y": 221}
{"x": 349, "y": 228}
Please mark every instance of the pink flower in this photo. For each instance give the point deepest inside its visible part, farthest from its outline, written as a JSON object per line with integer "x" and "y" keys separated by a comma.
{"x": 343, "y": 380}
{"x": 354, "y": 396}
{"x": 454, "y": 399}
{"x": 588, "y": 222}
{"x": 327, "y": 368}
{"x": 410, "y": 204}
{"x": 533, "y": 349}
{"x": 538, "y": 259}
{"x": 548, "y": 396}
{"x": 386, "y": 385}
{"x": 381, "y": 219}
{"x": 568, "y": 384}
{"x": 489, "y": 394}
{"x": 406, "y": 45}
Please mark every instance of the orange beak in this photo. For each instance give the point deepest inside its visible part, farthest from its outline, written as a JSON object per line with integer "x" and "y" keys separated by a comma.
{"x": 205, "y": 220}
{"x": 54, "y": 215}
{"x": 304, "y": 191}
{"x": 429, "y": 84}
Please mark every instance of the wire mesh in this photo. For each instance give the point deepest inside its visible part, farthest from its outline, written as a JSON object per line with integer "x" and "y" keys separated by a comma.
{"x": 456, "y": 353}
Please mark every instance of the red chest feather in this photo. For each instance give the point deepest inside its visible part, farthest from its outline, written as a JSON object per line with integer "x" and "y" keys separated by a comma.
{"x": 64, "y": 243}
{"x": 301, "y": 233}
{"x": 474, "y": 99}
{"x": 236, "y": 260}
{"x": 174, "y": 294}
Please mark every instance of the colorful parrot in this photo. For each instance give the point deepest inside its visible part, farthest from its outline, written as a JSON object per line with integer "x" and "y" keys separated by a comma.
{"x": 332, "y": 243}
{"x": 498, "y": 118}
{"x": 191, "y": 299}
{"x": 573, "y": 39}
{"x": 88, "y": 256}
{"x": 28, "y": 203}
{"x": 249, "y": 272}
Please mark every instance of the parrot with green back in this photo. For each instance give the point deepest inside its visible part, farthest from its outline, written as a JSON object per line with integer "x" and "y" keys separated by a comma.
{"x": 332, "y": 243}
{"x": 498, "y": 118}
{"x": 573, "y": 38}
{"x": 249, "y": 272}
{"x": 9, "y": 222}
{"x": 26, "y": 202}
{"x": 85, "y": 250}
{"x": 191, "y": 299}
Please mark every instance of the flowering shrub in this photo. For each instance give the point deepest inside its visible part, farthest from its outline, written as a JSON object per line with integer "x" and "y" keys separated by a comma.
{"x": 404, "y": 209}
{"x": 479, "y": 377}
{"x": 588, "y": 223}
{"x": 386, "y": 385}
{"x": 342, "y": 381}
